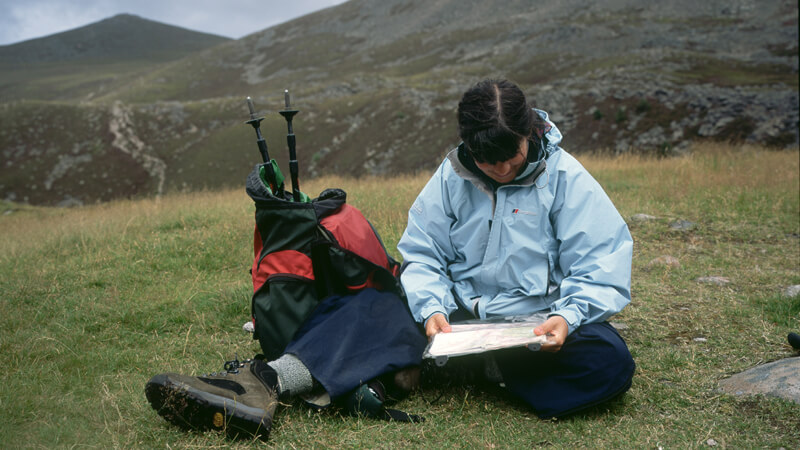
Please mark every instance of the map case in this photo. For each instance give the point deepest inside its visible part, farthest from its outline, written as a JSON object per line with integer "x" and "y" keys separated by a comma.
{"x": 478, "y": 336}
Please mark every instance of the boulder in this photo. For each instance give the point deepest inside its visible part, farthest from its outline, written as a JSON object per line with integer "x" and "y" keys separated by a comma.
{"x": 777, "y": 379}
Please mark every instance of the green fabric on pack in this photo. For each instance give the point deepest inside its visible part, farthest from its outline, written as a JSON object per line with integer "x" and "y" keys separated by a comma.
{"x": 278, "y": 175}
{"x": 280, "y": 179}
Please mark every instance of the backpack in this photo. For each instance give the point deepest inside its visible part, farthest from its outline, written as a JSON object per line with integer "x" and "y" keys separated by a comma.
{"x": 305, "y": 252}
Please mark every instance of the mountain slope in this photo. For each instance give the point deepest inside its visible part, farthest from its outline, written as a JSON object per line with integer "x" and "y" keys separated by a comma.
{"x": 377, "y": 83}
{"x": 528, "y": 41}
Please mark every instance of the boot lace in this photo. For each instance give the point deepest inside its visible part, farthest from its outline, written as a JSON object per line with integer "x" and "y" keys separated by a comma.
{"x": 234, "y": 365}
{"x": 231, "y": 367}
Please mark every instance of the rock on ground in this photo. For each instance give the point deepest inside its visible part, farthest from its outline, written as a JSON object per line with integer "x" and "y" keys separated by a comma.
{"x": 777, "y": 379}
{"x": 664, "y": 260}
{"x": 641, "y": 217}
{"x": 682, "y": 225}
{"x": 719, "y": 281}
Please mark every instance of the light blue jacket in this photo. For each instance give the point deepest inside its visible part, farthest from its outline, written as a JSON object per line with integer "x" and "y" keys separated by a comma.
{"x": 550, "y": 241}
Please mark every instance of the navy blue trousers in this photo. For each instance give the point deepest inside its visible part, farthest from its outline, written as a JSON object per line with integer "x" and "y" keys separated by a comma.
{"x": 593, "y": 366}
{"x": 349, "y": 340}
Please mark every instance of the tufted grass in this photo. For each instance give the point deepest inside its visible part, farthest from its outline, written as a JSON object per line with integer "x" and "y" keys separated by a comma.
{"x": 95, "y": 300}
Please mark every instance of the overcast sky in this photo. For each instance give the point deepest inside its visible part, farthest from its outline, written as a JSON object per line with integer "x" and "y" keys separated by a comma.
{"x": 21, "y": 20}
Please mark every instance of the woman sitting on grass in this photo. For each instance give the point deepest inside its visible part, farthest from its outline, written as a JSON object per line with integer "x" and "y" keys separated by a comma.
{"x": 511, "y": 224}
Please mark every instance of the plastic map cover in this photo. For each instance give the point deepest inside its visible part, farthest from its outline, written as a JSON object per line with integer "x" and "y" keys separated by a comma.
{"x": 478, "y": 336}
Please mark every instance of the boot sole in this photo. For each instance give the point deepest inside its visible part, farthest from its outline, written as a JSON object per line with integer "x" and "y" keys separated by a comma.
{"x": 190, "y": 408}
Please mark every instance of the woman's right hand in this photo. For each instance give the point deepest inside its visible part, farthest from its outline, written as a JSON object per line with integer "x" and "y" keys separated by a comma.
{"x": 436, "y": 323}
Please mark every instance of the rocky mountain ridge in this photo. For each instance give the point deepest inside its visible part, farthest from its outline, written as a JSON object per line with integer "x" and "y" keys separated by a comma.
{"x": 377, "y": 83}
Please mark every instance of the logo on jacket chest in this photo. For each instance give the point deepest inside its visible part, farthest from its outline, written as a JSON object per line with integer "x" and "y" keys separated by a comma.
{"x": 522, "y": 211}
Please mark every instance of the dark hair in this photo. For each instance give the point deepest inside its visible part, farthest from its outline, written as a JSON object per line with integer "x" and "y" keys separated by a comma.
{"x": 493, "y": 117}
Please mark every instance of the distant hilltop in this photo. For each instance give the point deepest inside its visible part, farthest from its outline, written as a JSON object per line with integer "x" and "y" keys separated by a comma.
{"x": 123, "y": 37}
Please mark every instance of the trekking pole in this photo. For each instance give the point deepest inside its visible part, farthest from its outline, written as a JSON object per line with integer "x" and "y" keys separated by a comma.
{"x": 262, "y": 144}
{"x": 288, "y": 114}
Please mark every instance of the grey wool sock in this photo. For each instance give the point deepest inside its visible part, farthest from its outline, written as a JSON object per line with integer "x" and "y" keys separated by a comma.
{"x": 293, "y": 376}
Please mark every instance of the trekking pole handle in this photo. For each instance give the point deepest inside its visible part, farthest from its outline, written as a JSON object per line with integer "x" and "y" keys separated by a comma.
{"x": 288, "y": 114}
{"x": 252, "y": 108}
{"x": 255, "y": 121}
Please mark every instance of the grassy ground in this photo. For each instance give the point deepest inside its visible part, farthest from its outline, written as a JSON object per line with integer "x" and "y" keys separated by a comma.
{"x": 96, "y": 300}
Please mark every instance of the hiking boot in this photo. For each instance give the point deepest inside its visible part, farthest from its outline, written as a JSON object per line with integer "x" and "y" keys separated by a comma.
{"x": 461, "y": 371}
{"x": 407, "y": 380}
{"x": 794, "y": 340}
{"x": 240, "y": 400}
{"x": 369, "y": 399}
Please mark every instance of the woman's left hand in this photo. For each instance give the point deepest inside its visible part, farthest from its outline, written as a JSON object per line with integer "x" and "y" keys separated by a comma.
{"x": 557, "y": 329}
